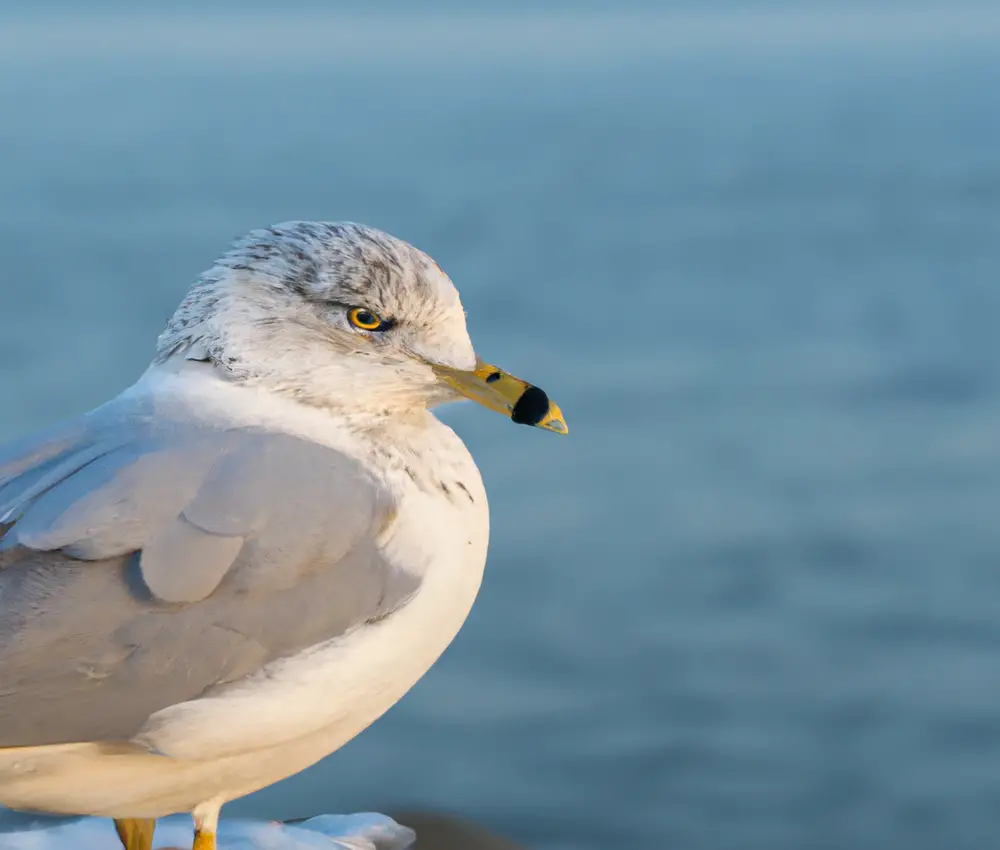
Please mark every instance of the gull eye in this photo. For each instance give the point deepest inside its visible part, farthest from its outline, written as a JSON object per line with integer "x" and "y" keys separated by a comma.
{"x": 366, "y": 320}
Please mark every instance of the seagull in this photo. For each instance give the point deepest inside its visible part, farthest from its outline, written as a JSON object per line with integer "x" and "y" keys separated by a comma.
{"x": 232, "y": 568}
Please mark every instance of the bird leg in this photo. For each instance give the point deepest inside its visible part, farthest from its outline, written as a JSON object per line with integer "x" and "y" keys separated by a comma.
{"x": 204, "y": 839}
{"x": 136, "y": 833}
{"x": 206, "y": 822}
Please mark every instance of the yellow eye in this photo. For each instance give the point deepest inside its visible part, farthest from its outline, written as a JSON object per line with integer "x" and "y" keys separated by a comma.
{"x": 366, "y": 320}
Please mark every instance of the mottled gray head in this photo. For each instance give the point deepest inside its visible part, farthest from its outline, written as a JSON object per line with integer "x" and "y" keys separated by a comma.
{"x": 342, "y": 315}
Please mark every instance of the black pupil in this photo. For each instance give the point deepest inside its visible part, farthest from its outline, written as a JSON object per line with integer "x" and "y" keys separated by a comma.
{"x": 365, "y": 317}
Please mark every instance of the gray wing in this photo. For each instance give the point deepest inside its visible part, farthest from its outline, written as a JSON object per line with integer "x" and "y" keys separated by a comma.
{"x": 142, "y": 562}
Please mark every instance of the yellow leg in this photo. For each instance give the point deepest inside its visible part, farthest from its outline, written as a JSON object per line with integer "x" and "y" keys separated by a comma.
{"x": 206, "y": 822}
{"x": 136, "y": 833}
{"x": 204, "y": 839}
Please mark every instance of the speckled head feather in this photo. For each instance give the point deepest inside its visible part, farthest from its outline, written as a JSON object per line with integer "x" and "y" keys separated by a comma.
{"x": 274, "y": 310}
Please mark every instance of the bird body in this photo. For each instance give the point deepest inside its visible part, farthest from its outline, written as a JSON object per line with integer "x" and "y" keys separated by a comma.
{"x": 302, "y": 707}
{"x": 231, "y": 569}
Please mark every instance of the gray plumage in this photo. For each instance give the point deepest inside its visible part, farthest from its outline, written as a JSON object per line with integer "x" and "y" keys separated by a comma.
{"x": 145, "y": 561}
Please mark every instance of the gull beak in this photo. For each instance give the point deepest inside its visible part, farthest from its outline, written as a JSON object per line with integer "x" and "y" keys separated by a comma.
{"x": 500, "y": 391}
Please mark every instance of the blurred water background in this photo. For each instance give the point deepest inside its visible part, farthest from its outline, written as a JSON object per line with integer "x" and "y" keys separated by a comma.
{"x": 753, "y": 601}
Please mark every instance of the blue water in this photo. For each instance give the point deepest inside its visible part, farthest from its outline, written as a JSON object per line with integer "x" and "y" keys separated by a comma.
{"x": 753, "y": 600}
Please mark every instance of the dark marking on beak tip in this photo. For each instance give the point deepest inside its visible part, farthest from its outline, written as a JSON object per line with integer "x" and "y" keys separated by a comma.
{"x": 493, "y": 376}
{"x": 531, "y": 407}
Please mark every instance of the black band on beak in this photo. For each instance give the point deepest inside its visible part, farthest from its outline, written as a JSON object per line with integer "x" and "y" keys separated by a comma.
{"x": 531, "y": 407}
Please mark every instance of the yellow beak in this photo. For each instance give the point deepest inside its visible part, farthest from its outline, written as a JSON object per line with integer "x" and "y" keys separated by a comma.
{"x": 500, "y": 391}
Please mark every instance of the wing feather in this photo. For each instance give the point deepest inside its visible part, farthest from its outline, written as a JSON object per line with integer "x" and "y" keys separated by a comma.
{"x": 145, "y": 563}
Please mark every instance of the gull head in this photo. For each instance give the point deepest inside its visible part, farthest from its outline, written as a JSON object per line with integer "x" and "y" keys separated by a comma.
{"x": 343, "y": 316}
